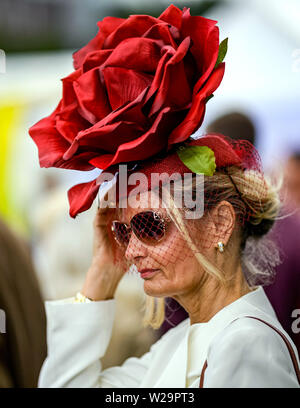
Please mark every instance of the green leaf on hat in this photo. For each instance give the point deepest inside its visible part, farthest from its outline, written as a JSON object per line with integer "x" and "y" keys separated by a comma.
{"x": 199, "y": 159}
{"x": 222, "y": 51}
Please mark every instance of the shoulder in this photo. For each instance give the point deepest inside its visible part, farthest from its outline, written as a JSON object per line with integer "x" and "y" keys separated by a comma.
{"x": 247, "y": 333}
{"x": 251, "y": 354}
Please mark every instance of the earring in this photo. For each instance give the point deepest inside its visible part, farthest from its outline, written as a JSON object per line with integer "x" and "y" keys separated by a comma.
{"x": 221, "y": 246}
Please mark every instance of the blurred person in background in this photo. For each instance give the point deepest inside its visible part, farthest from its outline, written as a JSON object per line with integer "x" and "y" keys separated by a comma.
{"x": 23, "y": 343}
{"x": 236, "y": 125}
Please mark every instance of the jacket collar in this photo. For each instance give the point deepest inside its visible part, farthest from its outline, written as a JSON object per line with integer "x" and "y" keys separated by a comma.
{"x": 254, "y": 303}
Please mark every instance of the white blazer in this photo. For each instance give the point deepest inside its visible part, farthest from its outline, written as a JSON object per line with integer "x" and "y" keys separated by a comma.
{"x": 240, "y": 352}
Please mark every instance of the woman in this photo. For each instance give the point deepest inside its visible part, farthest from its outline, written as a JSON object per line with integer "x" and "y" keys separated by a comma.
{"x": 137, "y": 94}
{"x": 232, "y": 329}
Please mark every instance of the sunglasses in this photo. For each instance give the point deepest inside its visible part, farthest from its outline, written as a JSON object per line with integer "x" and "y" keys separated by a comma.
{"x": 148, "y": 226}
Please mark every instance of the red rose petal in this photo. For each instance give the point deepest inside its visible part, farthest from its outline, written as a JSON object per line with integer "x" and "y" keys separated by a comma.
{"x": 174, "y": 73}
{"x": 124, "y": 113}
{"x": 205, "y": 38}
{"x": 68, "y": 95}
{"x": 124, "y": 85}
{"x": 106, "y": 27}
{"x": 106, "y": 138}
{"x": 134, "y": 26}
{"x": 169, "y": 52}
{"x": 133, "y": 114}
{"x": 95, "y": 59}
{"x": 195, "y": 115}
{"x": 103, "y": 161}
{"x": 148, "y": 144}
{"x": 51, "y": 145}
{"x": 69, "y": 123}
{"x": 79, "y": 162}
{"x": 72, "y": 150}
{"x": 91, "y": 96}
{"x": 210, "y": 57}
{"x": 140, "y": 54}
{"x": 172, "y": 15}
{"x": 81, "y": 197}
{"x": 161, "y": 32}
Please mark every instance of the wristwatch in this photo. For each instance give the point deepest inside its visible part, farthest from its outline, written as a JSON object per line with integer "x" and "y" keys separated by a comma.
{"x": 80, "y": 298}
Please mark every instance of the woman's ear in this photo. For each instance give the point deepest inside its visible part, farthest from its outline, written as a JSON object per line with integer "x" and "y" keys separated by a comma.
{"x": 223, "y": 221}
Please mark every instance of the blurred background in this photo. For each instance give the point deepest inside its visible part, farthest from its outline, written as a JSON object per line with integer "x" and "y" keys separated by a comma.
{"x": 37, "y": 39}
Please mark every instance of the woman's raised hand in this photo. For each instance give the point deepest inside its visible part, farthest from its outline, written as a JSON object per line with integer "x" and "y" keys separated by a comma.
{"x": 103, "y": 275}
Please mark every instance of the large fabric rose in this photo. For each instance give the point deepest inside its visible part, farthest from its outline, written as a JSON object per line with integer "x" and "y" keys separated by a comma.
{"x": 139, "y": 87}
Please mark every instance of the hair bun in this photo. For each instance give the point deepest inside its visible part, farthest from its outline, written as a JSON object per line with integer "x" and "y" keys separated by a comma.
{"x": 258, "y": 230}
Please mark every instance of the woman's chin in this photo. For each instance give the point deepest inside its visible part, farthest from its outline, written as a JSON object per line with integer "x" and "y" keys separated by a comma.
{"x": 155, "y": 290}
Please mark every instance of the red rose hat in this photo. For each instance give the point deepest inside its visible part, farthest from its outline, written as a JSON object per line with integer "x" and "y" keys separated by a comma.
{"x": 139, "y": 88}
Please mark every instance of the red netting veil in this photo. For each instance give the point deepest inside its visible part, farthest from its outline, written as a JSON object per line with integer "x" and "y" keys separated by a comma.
{"x": 238, "y": 177}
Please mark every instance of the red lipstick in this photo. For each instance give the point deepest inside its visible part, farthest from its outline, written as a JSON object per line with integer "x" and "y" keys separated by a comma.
{"x": 147, "y": 273}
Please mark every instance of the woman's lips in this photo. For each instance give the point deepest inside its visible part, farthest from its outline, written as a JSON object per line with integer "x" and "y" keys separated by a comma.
{"x": 147, "y": 273}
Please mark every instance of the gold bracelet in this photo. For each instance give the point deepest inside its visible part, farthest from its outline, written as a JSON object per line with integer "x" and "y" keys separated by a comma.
{"x": 80, "y": 298}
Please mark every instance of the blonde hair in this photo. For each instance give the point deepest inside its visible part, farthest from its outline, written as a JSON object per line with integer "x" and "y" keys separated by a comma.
{"x": 244, "y": 190}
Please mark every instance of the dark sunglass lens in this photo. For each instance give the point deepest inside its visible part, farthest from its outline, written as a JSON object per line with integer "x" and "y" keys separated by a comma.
{"x": 121, "y": 232}
{"x": 148, "y": 226}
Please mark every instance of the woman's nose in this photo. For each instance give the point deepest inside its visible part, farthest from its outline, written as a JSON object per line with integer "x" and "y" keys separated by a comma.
{"x": 135, "y": 249}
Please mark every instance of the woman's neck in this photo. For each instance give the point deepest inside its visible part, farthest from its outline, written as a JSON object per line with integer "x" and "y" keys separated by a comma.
{"x": 213, "y": 296}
